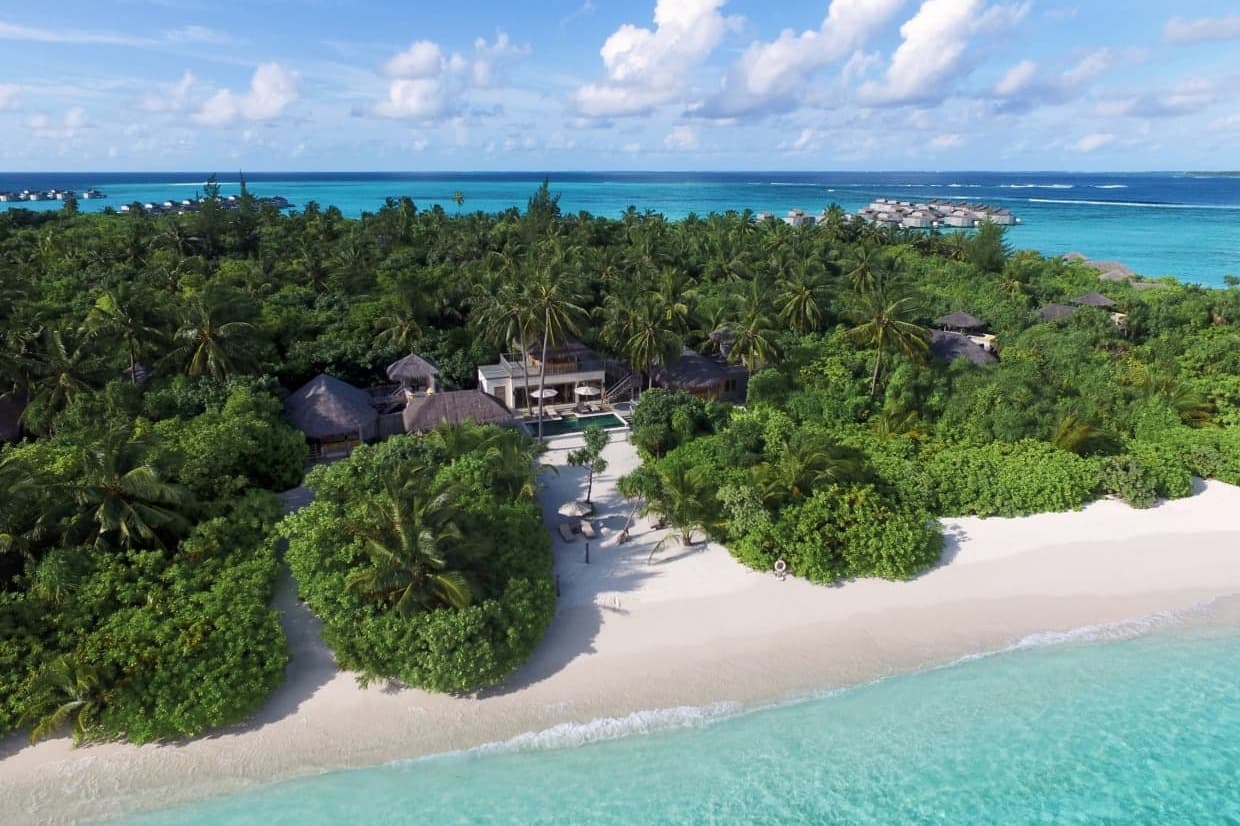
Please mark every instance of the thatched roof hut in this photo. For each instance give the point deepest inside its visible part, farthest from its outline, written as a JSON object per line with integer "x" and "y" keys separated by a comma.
{"x": 1111, "y": 266}
{"x": 951, "y": 346}
{"x": 1056, "y": 312}
{"x": 327, "y": 408}
{"x": 960, "y": 321}
{"x": 413, "y": 370}
{"x": 1094, "y": 300}
{"x": 1075, "y": 256}
{"x": 454, "y": 407}
{"x": 703, "y": 376}
{"x": 10, "y": 418}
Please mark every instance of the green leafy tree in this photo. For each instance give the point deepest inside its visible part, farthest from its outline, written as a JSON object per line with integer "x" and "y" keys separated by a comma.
{"x": 590, "y": 455}
{"x": 66, "y": 690}
{"x": 208, "y": 343}
{"x": 119, "y": 314}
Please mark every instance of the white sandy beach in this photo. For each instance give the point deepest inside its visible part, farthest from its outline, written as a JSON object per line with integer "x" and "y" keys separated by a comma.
{"x": 692, "y": 629}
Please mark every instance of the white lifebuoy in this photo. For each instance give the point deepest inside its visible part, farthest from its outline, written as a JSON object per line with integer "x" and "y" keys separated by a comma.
{"x": 780, "y": 566}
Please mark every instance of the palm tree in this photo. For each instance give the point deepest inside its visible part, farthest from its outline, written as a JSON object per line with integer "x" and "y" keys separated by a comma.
{"x": 682, "y": 495}
{"x": 802, "y": 295}
{"x": 1076, "y": 434}
{"x": 118, "y": 313}
{"x": 503, "y": 317}
{"x": 753, "y": 332}
{"x": 207, "y": 343}
{"x": 62, "y": 369}
{"x": 407, "y": 539}
{"x": 883, "y": 312}
{"x": 68, "y": 688}
{"x": 458, "y": 198}
{"x": 554, "y": 314}
{"x": 121, "y": 499}
{"x": 803, "y": 464}
{"x": 400, "y": 328}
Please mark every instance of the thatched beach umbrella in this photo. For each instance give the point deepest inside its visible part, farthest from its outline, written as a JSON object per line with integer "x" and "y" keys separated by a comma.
{"x": 1094, "y": 300}
{"x": 413, "y": 369}
{"x": 576, "y": 509}
{"x": 960, "y": 321}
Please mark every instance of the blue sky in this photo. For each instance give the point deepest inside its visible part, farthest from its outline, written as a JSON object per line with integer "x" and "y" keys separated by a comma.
{"x": 619, "y": 84}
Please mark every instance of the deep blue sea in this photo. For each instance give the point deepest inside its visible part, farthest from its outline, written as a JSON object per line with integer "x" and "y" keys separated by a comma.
{"x": 1159, "y": 223}
{"x": 1134, "y": 730}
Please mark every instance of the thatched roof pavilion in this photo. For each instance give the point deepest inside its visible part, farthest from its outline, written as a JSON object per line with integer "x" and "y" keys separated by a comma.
{"x": 960, "y": 321}
{"x": 1094, "y": 300}
{"x": 951, "y": 346}
{"x": 327, "y": 408}
{"x": 454, "y": 407}
{"x": 10, "y": 418}
{"x": 1075, "y": 256}
{"x": 1056, "y": 312}
{"x": 703, "y": 376}
{"x": 413, "y": 370}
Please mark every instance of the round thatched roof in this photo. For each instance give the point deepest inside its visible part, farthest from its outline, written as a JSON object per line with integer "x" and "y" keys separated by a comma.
{"x": 325, "y": 407}
{"x": 1055, "y": 312}
{"x": 1094, "y": 300}
{"x": 960, "y": 320}
{"x": 412, "y": 368}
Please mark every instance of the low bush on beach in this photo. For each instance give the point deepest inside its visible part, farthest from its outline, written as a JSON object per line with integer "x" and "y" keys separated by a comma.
{"x": 1010, "y": 479}
{"x": 426, "y": 558}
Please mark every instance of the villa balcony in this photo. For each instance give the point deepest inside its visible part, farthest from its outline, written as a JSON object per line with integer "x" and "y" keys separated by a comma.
{"x": 569, "y": 365}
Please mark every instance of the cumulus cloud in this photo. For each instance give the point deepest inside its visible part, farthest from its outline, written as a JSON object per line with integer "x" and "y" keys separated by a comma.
{"x": 771, "y": 75}
{"x": 932, "y": 48}
{"x": 1023, "y": 88}
{"x": 681, "y": 138}
{"x": 647, "y": 68}
{"x": 428, "y": 84}
{"x": 272, "y": 89}
{"x": 10, "y": 97}
{"x": 170, "y": 98}
{"x": 1093, "y": 142}
{"x": 1187, "y": 97}
{"x": 1180, "y": 30}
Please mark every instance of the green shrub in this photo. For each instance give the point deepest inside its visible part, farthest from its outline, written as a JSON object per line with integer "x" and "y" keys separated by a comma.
{"x": 1127, "y": 478}
{"x": 1010, "y": 479}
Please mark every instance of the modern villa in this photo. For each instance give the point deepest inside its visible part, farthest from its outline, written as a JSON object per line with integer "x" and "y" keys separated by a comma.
{"x": 573, "y": 371}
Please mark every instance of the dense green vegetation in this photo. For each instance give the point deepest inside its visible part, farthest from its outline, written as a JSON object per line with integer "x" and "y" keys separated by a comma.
{"x": 426, "y": 558}
{"x": 136, "y": 558}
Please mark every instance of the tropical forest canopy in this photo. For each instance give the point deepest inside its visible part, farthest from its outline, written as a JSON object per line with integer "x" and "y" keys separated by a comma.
{"x": 149, "y": 355}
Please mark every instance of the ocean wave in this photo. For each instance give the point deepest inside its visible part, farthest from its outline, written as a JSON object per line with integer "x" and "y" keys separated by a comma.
{"x": 1138, "y": 204}
{"x": 1111, "y": 186}
{"x": 1037, "y": 186}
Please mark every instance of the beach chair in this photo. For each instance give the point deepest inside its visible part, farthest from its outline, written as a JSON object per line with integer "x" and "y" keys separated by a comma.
{"x": 587, "y": 530}
{"x": 566, "y": 531}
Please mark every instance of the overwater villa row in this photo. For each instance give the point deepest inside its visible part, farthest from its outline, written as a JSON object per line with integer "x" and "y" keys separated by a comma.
{"x": 933, "y": 214}
{"x": 50, "y": 195}
{"x": 194, "y": 204}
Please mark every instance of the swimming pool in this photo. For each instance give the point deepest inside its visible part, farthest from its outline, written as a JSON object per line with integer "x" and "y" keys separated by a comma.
{"x": 575, "y": 424}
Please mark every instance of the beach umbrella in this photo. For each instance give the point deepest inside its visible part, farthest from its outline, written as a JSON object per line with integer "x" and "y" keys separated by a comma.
{"x": 549, "y": 393}
{"x": 576, "y": 509}
{"x": 587, "y": 390}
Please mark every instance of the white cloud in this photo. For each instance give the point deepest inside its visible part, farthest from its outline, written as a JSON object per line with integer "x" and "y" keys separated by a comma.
{"x": 76, "y": 118}
{"x": 197, "y": 35}
{"x": 946, "y": 141}
{"x": 11, "y": 31}
{"x": 428, "y": 84}
{"x": 170, "y": 98}
{"x": 771, "y": 74}
{"x": 1187, "y": 97}
{"x": 933, "y": 46}
{"x": 1017, "y": 78}
{"x": 1179, "y": 30}
{"x": 1093, "y": 141}
{"x": 647, "y": 68}
{"x": 681, "y": 138}
{"x": 10, "y": 97}
{"x": 272, "y": 89}
{"x": 38, "y": 121}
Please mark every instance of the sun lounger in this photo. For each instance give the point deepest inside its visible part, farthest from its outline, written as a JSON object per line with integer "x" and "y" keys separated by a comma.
{"x": 587, "y": 530}
{"x": 566, "y": 531}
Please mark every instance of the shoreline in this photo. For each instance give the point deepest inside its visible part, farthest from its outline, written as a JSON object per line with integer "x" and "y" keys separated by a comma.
{"x": 694, "y": 629}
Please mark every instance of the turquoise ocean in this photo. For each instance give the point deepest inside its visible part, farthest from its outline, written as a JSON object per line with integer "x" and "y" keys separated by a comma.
{"x": 1110, "y": 725}
{"x": 1159, "y": 223}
